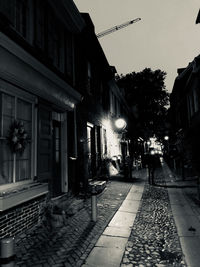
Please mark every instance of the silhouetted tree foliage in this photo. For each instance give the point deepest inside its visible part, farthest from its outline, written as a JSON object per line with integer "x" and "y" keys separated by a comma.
{"x": 146, "y": 95}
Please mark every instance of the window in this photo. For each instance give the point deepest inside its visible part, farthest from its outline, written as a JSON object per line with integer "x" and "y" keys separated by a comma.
{"x": 20, "y": 22}
{"x": 54, "y": 37}
{"x": 113, "y": 106}
{"x": 89, "y": 78}
{"x": 17, "y": 12}
{"x": 69, "y": 54}
{"x": 39, "y": 24}
{"x": 15, "y": 167}
{"x": 105, "y": 151}
{"x": 193, "y": 105}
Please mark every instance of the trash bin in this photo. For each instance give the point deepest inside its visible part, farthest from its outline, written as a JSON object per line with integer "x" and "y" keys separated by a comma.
{"x": 7, "y": 252}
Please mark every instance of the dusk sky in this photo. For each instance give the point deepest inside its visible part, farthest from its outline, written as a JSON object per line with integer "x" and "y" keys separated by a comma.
{"x": 166, "y": 38}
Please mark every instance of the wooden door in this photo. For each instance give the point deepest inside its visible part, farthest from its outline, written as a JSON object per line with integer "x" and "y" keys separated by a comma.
{"x": 57, "y": 189}
{"x": 44, "y": 143}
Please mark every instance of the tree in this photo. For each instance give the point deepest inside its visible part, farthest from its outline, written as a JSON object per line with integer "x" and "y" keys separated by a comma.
{"x": 147, "y": 97}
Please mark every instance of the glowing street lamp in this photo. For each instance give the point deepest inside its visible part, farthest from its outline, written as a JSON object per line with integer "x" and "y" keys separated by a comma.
{"x": 166, "y": 138}
{"x": 120, "y": 124}
{"x": 152, "y": 152}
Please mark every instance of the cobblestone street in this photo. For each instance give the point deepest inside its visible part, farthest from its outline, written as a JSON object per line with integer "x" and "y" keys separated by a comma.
{"x": 154, "y": 240}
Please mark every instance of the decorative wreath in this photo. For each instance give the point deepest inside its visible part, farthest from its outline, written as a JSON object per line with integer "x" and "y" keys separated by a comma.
{"x": 17, "y": 137}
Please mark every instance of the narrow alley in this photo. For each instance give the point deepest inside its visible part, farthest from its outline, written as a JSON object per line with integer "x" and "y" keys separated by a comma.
{"x": 99, "y": 138}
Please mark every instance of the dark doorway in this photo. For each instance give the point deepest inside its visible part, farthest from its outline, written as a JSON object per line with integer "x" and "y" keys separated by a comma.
{"x": 91, "y": 147}
{"x": 57, "y": 158}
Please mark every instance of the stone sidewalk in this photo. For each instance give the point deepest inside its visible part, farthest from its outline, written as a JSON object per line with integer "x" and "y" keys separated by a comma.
{"x": 71, "y": 244}
{"x": 153, "y": 240}
{"x": 109, "y": 249}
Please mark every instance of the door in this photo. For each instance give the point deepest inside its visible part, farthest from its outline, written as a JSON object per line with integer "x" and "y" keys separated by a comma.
{"x": 92, "y": 150}
{"x": 57, "y": 189}
{"x": 45, "y": 144}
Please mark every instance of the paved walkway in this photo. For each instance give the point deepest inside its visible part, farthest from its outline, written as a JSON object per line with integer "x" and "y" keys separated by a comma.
{"x": 165, "y": 230}
{"x": 186, "y": 213}
{"x": 109, "y": 249}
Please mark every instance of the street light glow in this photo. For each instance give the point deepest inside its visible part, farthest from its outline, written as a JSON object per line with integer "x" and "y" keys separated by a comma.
{"x": 120, "y": 123}
{"x": 166, "y": 137}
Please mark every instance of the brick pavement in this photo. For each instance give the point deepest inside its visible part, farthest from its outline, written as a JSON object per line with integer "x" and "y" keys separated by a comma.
{"x": 71, "y": 244}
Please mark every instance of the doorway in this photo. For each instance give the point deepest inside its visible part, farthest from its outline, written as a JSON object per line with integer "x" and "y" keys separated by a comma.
{"x": 57, "y": 187}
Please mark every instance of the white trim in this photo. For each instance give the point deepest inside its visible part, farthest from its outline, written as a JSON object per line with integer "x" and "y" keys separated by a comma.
{"x": 75, "y": 135}
{"x": 90, "y": 125}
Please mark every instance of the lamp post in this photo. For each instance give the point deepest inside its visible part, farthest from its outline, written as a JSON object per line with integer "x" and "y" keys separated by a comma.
{"x": 121, "y": 124}
{"x": 166, "y": 138}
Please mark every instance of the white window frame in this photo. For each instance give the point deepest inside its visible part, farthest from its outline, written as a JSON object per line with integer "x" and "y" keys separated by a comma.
{"x": 13, "y": 91}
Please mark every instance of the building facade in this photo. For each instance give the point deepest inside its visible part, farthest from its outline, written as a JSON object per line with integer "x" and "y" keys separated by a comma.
{"x": 102, "y": 103}
{"x": 185, "y": 120}
{"x": 184, "y": 114}
{"x": 37, "y": 96}
{"x": 58, "y": 105}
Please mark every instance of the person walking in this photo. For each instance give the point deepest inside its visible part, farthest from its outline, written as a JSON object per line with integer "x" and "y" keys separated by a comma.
{"x": 151, "y": 167}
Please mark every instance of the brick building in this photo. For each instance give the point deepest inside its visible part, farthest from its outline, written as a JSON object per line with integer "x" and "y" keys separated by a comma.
{"x": 58, "y": 104}
{"x": 185, "y": 119}
{"x": 36, "y": 91}
{"x": 102, "y": 104}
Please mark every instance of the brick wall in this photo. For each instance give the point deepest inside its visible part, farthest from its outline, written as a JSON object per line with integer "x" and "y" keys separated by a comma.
{"x": 20, "y": 218}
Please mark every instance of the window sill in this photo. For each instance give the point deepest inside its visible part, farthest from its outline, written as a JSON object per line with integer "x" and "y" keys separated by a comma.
{"x": 21, "y": 194}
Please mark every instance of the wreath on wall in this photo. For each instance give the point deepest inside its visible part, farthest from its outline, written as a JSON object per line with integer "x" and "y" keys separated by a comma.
{"x": 17, "y": 137}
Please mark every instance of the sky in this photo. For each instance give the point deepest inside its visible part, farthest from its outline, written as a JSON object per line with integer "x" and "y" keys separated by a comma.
{"x": 165, "y": 38}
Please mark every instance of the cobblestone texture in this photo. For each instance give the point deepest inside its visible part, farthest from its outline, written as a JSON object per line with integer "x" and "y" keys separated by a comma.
{"x": 154, "y": 240}
{"x": 70, "y": 245}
